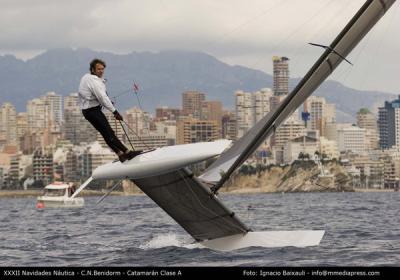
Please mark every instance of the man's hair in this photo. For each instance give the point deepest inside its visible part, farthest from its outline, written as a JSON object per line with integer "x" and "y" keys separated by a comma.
{"x": 94, "y": 62}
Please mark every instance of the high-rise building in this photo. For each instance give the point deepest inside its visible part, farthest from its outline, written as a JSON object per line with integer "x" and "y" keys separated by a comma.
{"x": 244, "y": 112}
{"x": 367, "y": 120}
{"x": 167, "y": 128}
{"x": 150, "y": 141}
{"x": 138, "y": 121}
{"x": 38, "y": 115}
{"x": 302, "y": 144}
{"x": 281, "y": 75}
{"x": 43, "y": 166}
{"x": 22, "y": 125}
{"x": 71, "y": 102}
{"x": 44, "y": 112}
{"x": 54, "y": 103}
{"x": 261, "y": 101}
{"x": 76, "y": 128}
{"x": 8, "y": 123}
{"x": 165, "y": 113}
{"x": 389, "y": 124}
{"x": 94, "y": 156}
{"x": 284, "y": 133}
{"x": 351, "y": 138}
{"x": 328, "y": 148}
{"x": 194, "y": 130}
{"x": 212, "y": 111}
{"x": 3, "y": 176}
{"x": 71, "y": 167}
{"x": 192, "y": 103}
{"x": 250, "y": 108}
{"x": 229, "y": 126}
{"x": 322, "y": 115}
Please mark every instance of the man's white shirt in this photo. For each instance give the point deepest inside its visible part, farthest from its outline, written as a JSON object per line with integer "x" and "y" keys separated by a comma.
{"x": 92, "y": 93}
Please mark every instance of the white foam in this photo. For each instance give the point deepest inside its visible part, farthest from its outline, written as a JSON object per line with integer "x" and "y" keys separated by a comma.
{"x": 167, "y": 240}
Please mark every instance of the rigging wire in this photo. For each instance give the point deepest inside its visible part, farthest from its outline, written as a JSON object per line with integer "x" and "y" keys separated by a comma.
{"x": 137, "y": 136}
{"x": 125, "y": 92}
{"x": 247, "y": 22}
{"x": 277, "y": 46}
{"x": 126, "y": 135}
{"x": 135, "y": 89}
{"x": 108, "y": 192}
{"x": 380, "y": 40}
{"x": 145, "y": 120}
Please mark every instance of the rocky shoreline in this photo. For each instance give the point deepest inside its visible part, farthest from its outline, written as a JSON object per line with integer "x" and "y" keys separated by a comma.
{"x": 301, "y": 176}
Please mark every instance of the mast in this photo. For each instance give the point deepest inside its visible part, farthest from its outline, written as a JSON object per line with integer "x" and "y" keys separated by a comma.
{"x": 361, "y": 23}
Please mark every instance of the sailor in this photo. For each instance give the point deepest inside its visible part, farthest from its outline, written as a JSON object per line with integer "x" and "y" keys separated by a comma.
{"x": 92, "y": 97}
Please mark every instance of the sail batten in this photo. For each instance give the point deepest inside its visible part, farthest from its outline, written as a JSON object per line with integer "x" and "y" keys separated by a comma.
{"x": 361, "y": 23}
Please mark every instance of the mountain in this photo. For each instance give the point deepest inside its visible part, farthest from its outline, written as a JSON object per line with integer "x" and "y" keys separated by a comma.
{"x": 162, "y": 77}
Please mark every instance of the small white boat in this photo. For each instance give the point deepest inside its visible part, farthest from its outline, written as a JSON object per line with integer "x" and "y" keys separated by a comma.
{"x": 59, "y": 195}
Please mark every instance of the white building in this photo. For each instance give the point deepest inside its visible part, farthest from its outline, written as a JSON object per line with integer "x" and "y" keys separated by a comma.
{"x": 351, "y": 138}
{"x": 138, "y": 121}
{"x": 322, "y": 115}
{"x": 261, "y": 101}
{"x": 151, "y": 141}
{"x": 54, "y": 103}
{"x": 166, "y": 128}
{"x": 286, "y": 132}
{"x": 71, "y": 102}
{"x": 302, "y": 144}
{"x": 8, "y": 123}
{"x": 76, "y": 128}
{"x": 44, "y": 112}
{"x": 250, "y": 108}
{"x": 38, "y": 114}
{"x": 329, "y": 148}
{"x": 22, "y": 125}
{"x": 244, "y": 112}
{"x": 94, "y": 156}
{"x": 367, "y": 120}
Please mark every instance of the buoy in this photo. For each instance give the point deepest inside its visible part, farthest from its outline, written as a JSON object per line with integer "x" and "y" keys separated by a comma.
{"x": 40, "y": 205}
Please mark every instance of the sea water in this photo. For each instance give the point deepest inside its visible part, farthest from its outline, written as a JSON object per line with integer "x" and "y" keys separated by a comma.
{"x": 362, "y": 229}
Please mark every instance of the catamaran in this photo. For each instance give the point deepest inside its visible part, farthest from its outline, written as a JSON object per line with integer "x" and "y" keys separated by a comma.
{"x": 193, "y": 201}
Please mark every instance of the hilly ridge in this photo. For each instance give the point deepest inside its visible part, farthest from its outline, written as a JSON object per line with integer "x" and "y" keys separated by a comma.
{"x": 162, "y": 78}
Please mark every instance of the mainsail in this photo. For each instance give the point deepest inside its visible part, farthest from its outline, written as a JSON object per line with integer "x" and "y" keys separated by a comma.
{"x": 368, "y": 15}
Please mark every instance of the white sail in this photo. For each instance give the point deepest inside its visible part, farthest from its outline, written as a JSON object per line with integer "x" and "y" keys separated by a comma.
{"x": 368, "y": 15}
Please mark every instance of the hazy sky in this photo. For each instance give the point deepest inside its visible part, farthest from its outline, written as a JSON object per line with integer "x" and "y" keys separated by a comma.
{"x": 243, "y": 32}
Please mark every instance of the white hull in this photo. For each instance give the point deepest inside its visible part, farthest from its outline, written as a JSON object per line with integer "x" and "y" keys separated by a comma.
{"x": 61, "y": 203}
{"x": 268, "y": 239}
{"x": 161, "y": 161}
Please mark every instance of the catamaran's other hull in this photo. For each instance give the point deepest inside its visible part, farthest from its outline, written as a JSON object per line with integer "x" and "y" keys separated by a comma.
{"x": 161, "y": 161}
{"x": 269, "y": 239}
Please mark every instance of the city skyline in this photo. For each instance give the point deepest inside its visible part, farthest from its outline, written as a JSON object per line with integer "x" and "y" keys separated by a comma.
{"x": 55, "y": 140}
{"x": 54, "y": 158}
